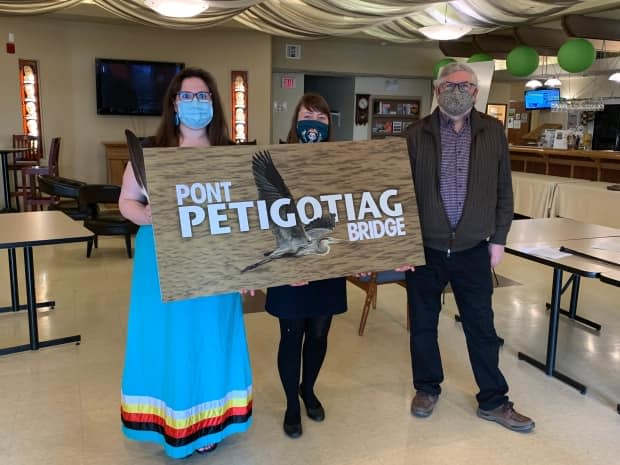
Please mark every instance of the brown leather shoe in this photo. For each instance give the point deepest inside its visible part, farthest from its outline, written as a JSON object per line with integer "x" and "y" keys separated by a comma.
{"x": 507, "y": 416}
{"x": 423, "y": 404}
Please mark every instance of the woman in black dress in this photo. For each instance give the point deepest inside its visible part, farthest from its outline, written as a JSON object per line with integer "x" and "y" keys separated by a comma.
{"x": 305, "y": 309}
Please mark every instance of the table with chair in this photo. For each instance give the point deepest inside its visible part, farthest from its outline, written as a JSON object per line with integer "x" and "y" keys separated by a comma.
{"x": 28, "y": 230}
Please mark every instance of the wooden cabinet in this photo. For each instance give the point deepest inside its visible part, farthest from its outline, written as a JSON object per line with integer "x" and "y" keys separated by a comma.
{"x": 117, "y": 156}
{"x": 392, "y": 116}
{"x": 595, "y": 165}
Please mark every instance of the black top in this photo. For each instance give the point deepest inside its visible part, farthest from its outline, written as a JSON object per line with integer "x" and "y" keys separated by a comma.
{"x": 488, "y": 208}
{"x": 318, "y": 298}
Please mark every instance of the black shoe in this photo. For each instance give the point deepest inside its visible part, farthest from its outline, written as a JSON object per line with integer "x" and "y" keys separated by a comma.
{"x": 314, "y": 409}
{"x": 292, "y": 425}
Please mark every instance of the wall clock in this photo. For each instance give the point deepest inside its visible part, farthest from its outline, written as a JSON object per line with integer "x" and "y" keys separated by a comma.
{"x": 362, "y": 102}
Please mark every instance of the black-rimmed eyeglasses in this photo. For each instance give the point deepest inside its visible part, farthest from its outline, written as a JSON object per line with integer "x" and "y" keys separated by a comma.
{"x": 186, "y": 96}
{"x": 462, "y": 86}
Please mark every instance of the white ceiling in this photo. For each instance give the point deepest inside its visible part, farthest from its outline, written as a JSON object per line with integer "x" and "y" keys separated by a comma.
{"x": 389, "y": 21}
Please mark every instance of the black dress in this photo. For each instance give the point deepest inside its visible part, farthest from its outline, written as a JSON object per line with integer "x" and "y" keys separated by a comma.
{"x": 318, "y": 298}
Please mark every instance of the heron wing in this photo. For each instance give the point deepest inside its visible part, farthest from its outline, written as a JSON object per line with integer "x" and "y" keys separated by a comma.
{"x": 321, "y": 226}
{"x": 271, "y": 187}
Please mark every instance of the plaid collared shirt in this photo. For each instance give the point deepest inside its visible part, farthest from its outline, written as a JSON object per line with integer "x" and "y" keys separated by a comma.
{"x": 454, "y": 169}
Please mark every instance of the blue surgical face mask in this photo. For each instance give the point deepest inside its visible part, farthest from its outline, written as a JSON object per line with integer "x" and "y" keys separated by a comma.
{"x": 311, "y": 130}
{"x": 195, "y": 114}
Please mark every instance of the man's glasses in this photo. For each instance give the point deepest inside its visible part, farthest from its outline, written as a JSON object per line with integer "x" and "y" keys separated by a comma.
{"x": 186, "y": 96}
{"x": 462, "y": 86}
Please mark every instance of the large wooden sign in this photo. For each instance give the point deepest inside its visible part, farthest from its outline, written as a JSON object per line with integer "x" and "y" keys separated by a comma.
{"x": 227, "y": 218}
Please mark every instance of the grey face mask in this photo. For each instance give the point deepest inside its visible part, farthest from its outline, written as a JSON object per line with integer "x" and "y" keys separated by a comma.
{"x": 455, "y": 102}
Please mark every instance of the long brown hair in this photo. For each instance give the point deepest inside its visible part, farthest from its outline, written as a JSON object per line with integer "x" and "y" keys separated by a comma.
{"x": 312, "y": 102}
{"x": 167, "y": 134}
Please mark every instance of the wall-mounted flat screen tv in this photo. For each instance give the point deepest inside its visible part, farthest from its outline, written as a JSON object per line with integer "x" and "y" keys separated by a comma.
{"x": 542, "y": 98}
{"x": 126, "y": 87}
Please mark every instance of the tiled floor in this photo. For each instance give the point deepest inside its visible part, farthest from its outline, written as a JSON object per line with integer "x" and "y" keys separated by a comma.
{"x": 60, "y": 405}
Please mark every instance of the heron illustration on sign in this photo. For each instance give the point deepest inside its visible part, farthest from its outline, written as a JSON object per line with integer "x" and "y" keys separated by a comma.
{"x": 291, "y": 241}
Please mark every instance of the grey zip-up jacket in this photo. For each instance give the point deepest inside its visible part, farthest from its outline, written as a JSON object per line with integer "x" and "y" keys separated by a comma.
{"x": 488, "y": 208}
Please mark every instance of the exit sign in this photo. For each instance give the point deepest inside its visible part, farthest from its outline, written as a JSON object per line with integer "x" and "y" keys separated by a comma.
{"x": 288, "y": 82}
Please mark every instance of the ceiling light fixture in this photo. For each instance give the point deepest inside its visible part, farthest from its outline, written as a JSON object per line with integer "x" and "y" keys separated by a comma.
{"x": 615, "y": 77}
{"x": 177, "y": 8}
{"x": 553, "y": 82}
{"x": 533, "y": 84}
{"x": 445, "y": 31}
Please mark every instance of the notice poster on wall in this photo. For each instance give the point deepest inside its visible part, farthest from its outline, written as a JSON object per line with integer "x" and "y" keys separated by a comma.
{"x": 233, "y": 217}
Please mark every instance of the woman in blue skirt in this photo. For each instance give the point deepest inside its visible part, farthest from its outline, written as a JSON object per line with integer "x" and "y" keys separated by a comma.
{"x": 305, "y": 310}
{"x": 187, "y": 382}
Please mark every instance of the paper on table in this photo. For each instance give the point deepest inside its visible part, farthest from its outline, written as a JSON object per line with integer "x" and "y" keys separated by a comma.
{"x": 545, "y": 252}
{"x": 612, "y": 246}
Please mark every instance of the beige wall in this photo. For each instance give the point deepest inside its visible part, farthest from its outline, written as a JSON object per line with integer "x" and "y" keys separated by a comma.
{"x": 358, "y": 57}
{"x": 66, "y": 51}
{"x": 286, "y": 100}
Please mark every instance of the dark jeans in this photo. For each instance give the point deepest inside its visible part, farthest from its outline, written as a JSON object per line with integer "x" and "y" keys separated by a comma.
{"x": 469, "y": 274}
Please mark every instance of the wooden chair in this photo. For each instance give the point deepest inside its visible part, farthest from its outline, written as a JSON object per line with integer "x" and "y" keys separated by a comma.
{"x": 370, "y": 284}
{"x": 29, "y": 188}
{"x": 24, "y": 159}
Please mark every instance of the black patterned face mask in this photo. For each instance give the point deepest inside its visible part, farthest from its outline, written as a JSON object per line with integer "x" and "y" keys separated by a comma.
{"x": 455, "y": 102}
{"x": 310, "y": 131}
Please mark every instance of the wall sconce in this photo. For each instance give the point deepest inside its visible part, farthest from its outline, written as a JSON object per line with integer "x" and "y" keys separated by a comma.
{"x": 239, "y": 95}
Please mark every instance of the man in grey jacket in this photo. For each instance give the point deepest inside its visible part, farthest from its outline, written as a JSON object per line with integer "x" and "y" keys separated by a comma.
{"x": 461, "y": 171}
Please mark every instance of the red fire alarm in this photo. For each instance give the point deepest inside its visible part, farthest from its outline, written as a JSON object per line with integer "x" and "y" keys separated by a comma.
{"x": 10, "y": 45}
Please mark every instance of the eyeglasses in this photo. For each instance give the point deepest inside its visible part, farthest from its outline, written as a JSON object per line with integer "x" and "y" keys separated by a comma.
{"x": 463, "y": 86}
{"x": 186, "y": 96}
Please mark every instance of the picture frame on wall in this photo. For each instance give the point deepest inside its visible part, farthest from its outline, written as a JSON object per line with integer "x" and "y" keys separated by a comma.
{"x": 497, "y": 110}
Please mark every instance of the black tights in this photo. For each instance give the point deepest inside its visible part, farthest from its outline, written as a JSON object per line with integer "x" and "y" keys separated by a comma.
{"x": 312, "y": 334}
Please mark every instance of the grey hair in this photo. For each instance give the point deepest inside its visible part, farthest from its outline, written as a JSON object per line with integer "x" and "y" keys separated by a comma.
{"x": 453, "y": 68}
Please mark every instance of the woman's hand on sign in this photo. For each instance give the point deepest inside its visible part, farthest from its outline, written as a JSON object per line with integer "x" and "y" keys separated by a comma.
{"x": 402, "y": 268}
{"x": 250, "y": 292}
{"x": 300, "y": 283}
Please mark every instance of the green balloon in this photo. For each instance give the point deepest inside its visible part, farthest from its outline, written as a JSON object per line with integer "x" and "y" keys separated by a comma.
{"x": 522, "y": 61}
{"x": 440, "y": 64}
{"x": 476, "y": 57}
{"x": 576, "y": 55}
